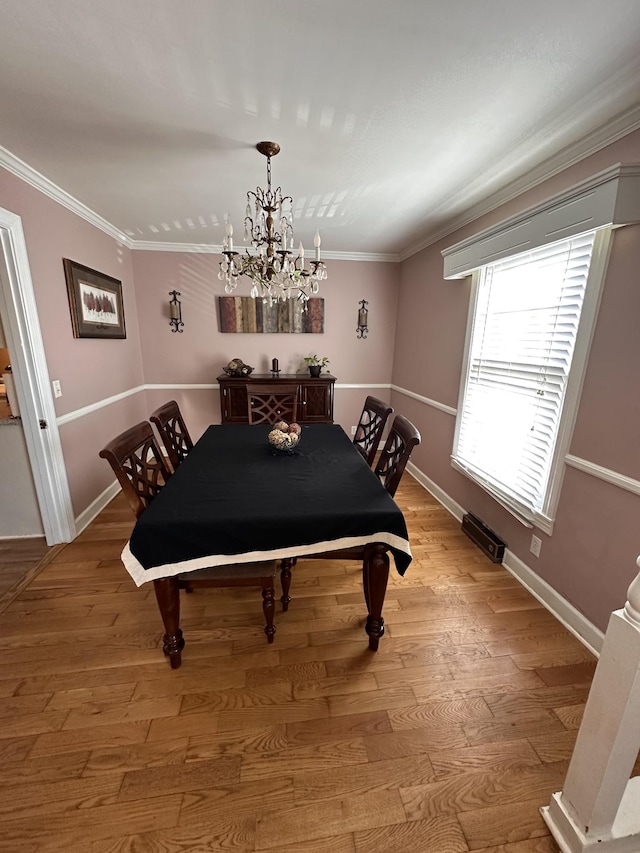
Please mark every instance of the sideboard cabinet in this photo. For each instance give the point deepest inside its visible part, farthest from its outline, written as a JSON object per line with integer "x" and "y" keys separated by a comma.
{"x": 315, "y": 396}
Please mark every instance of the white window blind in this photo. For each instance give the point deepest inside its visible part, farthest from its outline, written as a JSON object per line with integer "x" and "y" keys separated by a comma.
{"x": 524, "y": 331}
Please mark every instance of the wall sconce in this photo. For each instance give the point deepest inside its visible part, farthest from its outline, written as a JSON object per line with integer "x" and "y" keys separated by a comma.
{"x": 175, "y": 311}
{"x": 363, "y": 319}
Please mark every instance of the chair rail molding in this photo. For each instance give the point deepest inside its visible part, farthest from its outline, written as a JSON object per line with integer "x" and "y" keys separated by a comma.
{"x": 116, "y": 398}
{"x": 442, "y": 407}
{"x": 605, "y": 474}
{"x": 173, "y": 386}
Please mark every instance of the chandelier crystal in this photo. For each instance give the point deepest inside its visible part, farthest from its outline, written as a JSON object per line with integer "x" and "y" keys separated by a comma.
{"x": 277, "y": 274}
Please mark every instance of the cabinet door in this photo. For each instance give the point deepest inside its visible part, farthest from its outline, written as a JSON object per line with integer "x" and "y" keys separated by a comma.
{"x": 234, "y": 404}
{"x": 316, "y": 402}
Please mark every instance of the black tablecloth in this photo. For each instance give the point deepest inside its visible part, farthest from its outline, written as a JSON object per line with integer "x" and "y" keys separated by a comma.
{"x": 232, "y": 500}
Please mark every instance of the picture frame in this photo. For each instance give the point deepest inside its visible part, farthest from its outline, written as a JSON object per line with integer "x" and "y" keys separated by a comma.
{"x": 95, "y": 301}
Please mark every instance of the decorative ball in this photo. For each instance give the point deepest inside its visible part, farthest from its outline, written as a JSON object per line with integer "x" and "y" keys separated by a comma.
{"x": 285, "y": 441}
{"x": 295, "y": 429}
{"x": 237, "y": 367}
{"x": 278, "y": 439}
{"x": 283, "y": 426}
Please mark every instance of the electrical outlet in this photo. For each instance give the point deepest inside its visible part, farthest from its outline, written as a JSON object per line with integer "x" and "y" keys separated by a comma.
{"x": 536, "y": 545}
{"x": 353, "y": 430}
{"x": 57, "y": 390}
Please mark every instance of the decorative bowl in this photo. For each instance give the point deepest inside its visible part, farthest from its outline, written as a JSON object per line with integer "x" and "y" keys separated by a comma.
{"x": 284, "y": 438}
{"x": 241, "y": 370}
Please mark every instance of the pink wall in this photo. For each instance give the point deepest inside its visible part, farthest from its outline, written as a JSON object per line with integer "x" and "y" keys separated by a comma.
{"x": 590, "y": 558}
{"x": 89, "y": 370}
{"x": 198, "y": 354}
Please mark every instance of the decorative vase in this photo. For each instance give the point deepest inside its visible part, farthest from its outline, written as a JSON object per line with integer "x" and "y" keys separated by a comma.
{"x": 314, "y": 369}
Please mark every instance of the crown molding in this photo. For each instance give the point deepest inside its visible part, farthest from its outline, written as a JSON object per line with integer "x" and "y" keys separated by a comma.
{"x": 32, "y": 177}
{"x": 211, "y": 249}
{"x": 616, "y": 129}
{"x": 623, "y": 124}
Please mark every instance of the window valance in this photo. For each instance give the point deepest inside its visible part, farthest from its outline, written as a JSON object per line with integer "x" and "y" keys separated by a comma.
{"x": 611, "y": 197}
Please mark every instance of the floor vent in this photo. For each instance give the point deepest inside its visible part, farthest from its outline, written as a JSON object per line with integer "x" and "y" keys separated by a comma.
{"x": 488, "y": 541}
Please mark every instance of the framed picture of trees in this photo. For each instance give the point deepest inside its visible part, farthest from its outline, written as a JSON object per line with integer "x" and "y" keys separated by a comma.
{"x": 95, "y": 300}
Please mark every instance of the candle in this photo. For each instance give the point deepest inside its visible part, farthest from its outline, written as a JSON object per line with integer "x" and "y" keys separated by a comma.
{"x": 362, "y": 317}
{"x": 230, "y": 235}
{"x": 316, "y": 243}
{"x": 301, "y": 255}
{"x": 274, "y": 365}
{"x": 174, "y": 310}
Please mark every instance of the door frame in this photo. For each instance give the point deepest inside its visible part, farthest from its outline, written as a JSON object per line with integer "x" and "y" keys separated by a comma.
{"x": 31, "y": 378}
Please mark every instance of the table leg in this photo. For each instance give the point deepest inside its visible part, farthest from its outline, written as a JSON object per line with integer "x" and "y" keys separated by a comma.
{"x": 285, "y": 580}
{"x": 268, "y": 608}
{"x": 375, "y": 574}
{"x": 168, "y": 597}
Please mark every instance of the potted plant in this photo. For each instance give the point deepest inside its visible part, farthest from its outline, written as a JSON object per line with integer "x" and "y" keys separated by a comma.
{"x": 315, "y": 364}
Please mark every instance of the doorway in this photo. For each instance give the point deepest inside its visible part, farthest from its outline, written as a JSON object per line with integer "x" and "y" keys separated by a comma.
{"x": 32, "y": 386}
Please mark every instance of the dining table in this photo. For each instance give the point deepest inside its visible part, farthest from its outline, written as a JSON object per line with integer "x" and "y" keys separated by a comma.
{"x": 235, "y": 499}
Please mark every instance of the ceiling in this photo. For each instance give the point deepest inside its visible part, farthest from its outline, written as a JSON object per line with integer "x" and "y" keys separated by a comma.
{"x": 393, "y": 117}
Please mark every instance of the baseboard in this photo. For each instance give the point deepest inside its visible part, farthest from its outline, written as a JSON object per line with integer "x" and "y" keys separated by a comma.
{"x": 439, "y": 494}
{"x": 23, "y": 536}
{"x": 86, "y": 517}
{"x": 568, "y": 615}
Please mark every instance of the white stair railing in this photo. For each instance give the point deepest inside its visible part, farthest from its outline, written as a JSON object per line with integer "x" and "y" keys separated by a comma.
{"x": 599, "y": 806}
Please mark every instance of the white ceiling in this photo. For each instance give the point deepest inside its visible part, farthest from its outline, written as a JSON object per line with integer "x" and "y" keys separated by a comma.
{"x": 393, "y": 117}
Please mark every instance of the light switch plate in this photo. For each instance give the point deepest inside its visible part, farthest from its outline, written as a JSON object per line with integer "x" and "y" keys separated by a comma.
{"x": 57, "y": 390}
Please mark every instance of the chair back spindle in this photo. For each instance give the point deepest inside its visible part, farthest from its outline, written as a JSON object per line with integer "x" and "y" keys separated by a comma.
{"x": 370, "y": 427}
{"x": 139, "y": 465}
{"x": 403, "y": 437}
{"x": 173, "y": 431}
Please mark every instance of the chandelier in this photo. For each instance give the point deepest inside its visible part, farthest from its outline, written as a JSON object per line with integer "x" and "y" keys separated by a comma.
{"x": 277, "y": 274}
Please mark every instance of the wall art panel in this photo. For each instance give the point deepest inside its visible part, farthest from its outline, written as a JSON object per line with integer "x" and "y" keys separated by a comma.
{"x": 245, "y": 314}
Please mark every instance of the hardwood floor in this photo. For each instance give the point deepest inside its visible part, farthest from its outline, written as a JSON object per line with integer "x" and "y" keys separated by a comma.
{"x": 448, "y": 739}
{"x": 19, "y": 559}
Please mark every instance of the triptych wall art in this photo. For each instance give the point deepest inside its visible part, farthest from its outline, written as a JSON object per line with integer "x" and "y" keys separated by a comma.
{"x": 245, "y": 314}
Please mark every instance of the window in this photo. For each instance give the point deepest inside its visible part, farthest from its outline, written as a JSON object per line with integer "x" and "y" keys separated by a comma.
{"x": 513, "y": 419}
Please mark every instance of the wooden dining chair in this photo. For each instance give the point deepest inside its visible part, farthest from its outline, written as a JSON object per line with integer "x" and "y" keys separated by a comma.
{"x": 173, "y": 431}
{"x": 403, "y": 437}
{"x": 370, "y": 427}
{"x": 139, "y": 465}
{"x": 269, "y": 403}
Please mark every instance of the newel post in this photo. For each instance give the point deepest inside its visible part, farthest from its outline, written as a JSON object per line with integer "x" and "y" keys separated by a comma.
{"x": 599, "y": 806}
